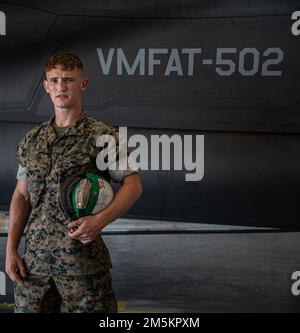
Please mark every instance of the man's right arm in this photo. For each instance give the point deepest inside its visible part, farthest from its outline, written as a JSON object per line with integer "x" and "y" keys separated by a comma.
{"x": 20, "y": 209}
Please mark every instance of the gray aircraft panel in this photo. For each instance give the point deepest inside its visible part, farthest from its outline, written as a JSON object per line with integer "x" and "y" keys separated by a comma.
{"x": 192, "y": 90}
{"x": 10, "y": 135}
{"x": 23, "y": 54}
{"x": 164, "y": 8}
{"x": 250, "y": 178}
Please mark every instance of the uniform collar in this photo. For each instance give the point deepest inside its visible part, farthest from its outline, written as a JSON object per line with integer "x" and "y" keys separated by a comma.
{"x": 75, "y": 129}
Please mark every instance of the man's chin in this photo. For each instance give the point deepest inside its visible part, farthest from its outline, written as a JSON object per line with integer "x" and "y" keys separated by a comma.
{"x": 62, "y": 105}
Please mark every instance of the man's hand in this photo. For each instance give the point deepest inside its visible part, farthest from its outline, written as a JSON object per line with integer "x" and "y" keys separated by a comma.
{"x": 15, "y": 267}
{"x": 19, "y": 212}
{"x": 86, "y": 229}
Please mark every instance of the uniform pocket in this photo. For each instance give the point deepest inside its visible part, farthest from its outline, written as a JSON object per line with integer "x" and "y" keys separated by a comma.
{"x": 73, "y": 166}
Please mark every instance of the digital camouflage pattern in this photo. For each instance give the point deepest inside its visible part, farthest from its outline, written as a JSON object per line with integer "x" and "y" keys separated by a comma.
{"x": 49, "y": 160}
{"x": 72, "y": 294}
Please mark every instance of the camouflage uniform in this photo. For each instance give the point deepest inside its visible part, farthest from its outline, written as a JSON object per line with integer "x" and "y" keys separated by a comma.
{"x": 49, "y": 159}
{"x": 52, "y": 294}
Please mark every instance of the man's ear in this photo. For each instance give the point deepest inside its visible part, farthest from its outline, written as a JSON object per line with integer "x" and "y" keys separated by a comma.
{"x": 45, "y": 84}
{"x": 84, "y": 84}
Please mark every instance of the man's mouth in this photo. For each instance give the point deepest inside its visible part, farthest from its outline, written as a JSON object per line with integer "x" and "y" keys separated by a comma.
{"x": 61, "y": 96}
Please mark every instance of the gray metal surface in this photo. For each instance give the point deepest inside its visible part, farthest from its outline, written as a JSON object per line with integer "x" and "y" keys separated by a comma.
{"x": 163, "y": 8}
{"x": 249, "y": 179}
{"x": 251, "y": 122}
{"x": 251, "y": 125}
{"x": 201, "y": 273}
{"x": 203, "y": 100}
{"x": 137, "y": 226}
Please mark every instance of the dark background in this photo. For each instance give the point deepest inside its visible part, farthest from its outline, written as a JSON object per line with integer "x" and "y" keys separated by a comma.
{"x": 251, "y": 123}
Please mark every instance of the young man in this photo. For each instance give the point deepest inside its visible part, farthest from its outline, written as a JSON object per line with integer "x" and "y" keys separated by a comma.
{"x": 61, "y": 265}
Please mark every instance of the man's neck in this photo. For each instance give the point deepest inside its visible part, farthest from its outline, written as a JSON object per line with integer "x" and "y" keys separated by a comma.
{"x": 64, "y": 118}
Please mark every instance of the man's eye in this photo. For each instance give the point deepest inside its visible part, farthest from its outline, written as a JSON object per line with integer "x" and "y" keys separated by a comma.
{"x": 53, "y": 81}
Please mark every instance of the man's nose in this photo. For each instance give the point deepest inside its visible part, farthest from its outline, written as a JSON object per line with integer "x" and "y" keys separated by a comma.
{"x": 61, "y": 85}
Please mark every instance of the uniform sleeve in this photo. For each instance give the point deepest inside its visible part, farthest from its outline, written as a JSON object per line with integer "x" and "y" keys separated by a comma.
{"x": 21, "y": 152}
{"x": 119, "y": 175}
{"x": 22, "y": 173}
{"x": 124, "y": 164}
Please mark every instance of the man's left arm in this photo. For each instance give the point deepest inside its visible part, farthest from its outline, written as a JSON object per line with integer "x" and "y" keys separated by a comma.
{"x": 90, "y": 226}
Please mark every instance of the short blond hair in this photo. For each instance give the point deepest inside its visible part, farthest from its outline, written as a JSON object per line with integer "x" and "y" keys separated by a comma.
{"x": 68, "y": 61}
